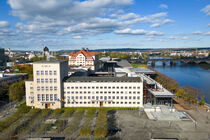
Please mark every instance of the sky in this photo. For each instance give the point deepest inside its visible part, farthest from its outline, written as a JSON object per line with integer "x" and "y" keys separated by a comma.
{"x": 100, "y": 24}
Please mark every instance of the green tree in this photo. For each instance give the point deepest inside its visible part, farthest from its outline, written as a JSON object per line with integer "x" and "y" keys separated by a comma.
{"x": 17, "y": 91}
{"x": 202, "y": 101}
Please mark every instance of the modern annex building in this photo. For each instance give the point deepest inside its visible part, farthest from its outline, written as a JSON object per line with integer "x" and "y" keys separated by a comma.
{"x": 52, "y": 88}
{"x": 84, "y": 58}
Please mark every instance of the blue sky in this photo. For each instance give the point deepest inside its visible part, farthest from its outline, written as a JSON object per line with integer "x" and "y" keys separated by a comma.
{"x": 95, "y": 24}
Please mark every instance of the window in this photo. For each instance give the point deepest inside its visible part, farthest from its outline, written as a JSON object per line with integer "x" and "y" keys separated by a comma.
{"x": 129, "y": 97}
{"x": 126, "y": 97}
{"x": 51, "y": 88}
{"x": 50, "y": 72}
{"x": 43, "y": 97}
{"x": 138, "y": 87}
{"x": 93, "y": 97}
{"x": 47, "y": 97}
{"x": 101, "y": 97}
{"x": 51, "y": 97}
{"x": 55, "y": 97}
{"x": 37, "y": 72}
{"x": 121, "y": 97}
{"x": 38, "y": 80}
{"x": 51, "y": 80}
{"x": 46, "y": 80}
{"x": 55, "y": 80}
{"x": 84, "y": 97}
{"x": 138, "y": 97}
{"x": 96, "y": 97}
{"x": 109, "y": 97}
{"x": 31, "y": 87}
{"x": 42, "y": 72}
{"x": 42, "y": 80}
{"x": 134, "y": 97}
{"x": 134, "y": 87}
{"x": 42, "y": 88}
{"x": 38, "y": 88}
{"x": 46, "y": 88}
{"x": 55, "y": 88}
{"x": 88, "y": 97}
{"x": 38, "y": 97}
{"x": 55, "y": 72}
{"x": 46, "y": 72}
{"x": 117, "y": 97}
{"x": 113, "y": 97}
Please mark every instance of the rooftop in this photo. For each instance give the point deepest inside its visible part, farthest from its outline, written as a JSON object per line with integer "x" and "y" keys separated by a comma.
{"x": 142, "y": 70}
{"x": 85, "y": 53}
{"x": 50, "y": 61}
{"x": 103, "y": 79}
{"x": 124, "y": 63}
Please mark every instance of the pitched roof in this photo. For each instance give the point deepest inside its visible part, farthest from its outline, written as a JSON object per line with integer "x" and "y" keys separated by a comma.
{"x": 86, "y": 54}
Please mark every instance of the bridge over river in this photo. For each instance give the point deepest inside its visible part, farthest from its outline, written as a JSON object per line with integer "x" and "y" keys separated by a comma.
{"x": 172, "y": 61}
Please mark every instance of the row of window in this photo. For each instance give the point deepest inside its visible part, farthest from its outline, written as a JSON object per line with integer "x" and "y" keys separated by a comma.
{"x": 51, "y": 88}
{"x": 102, "y": 97}
{"x": 101, "y": 92}
{"x": 101, "y": 87}
{"x": 46, "y": 80}
{"x": 46, "y": 72}
{"x": 107, "y": 102}
{"x": 47, "y": 97}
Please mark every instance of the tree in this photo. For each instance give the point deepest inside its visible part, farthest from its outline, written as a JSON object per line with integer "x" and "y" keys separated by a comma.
{"x": 17, "y": 91}
{"x": 202, "y": 101}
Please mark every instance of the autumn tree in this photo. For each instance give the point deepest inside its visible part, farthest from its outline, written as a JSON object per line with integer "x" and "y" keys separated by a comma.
{"x": 17, "y": 91}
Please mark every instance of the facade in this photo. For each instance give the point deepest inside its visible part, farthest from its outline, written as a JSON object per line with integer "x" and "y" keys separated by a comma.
{"x": 52, "y": 88}
{"x": 84, "y": 58}
{"x": 47, "y": 85}
{"x": 103, "y": 92}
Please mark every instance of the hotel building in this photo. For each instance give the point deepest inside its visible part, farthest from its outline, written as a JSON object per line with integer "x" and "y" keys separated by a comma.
{"x": 85, "y": 59}
{"x": 52, "y": 88}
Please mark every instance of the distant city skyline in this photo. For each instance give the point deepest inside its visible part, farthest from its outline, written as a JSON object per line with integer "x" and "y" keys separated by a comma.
{"x": 101, "y": 24}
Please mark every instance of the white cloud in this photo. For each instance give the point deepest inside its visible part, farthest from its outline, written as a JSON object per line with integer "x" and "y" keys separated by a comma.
{"x": 77, "y": 37}
{"x": 165, "y": 21}
{"x": 163, "y": 6}
{"x": 208, "y": 25}
{"x": 4, "y": 24}
{"x": 206, "y": 10}
{"x": 129, "y": 31}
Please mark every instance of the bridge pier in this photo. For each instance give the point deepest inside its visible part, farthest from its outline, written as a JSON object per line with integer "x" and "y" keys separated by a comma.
{"x": 153, "y": 63}
{"x": 164, "y": 63}
{"x": 172, "y": 63}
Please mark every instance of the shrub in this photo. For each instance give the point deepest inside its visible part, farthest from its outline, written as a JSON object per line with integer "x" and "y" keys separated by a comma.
{"x": 85, "y": 131}
{"x": 100, "y": 131}
{"x": 58, "y": 111}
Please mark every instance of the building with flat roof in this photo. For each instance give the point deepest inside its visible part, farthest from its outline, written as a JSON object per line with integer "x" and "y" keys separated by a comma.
{"x": 52, "y": 88}
{"x": 84, "y": 58}
{"x": 46, "y": 87}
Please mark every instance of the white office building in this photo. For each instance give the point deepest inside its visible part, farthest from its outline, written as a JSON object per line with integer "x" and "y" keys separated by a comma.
{"x": 52, "y": 88}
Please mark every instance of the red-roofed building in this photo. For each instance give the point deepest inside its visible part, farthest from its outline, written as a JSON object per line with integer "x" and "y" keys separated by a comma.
{"x": 84, "y": 58}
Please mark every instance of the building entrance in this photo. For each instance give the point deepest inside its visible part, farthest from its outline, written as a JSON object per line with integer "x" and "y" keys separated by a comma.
{"x": 47, "y": 106}
{"x": 101, "y": 104}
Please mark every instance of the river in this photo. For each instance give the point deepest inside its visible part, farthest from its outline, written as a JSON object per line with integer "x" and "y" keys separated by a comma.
{"x": 188, "y": 75}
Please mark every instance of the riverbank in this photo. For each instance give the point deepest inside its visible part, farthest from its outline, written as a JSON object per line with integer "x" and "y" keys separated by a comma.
{"x": 204, "y": 66}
